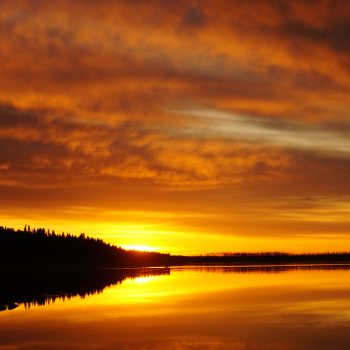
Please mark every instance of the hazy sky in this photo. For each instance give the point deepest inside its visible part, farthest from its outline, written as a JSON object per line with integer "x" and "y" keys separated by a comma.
{"x": 185, "y": 126}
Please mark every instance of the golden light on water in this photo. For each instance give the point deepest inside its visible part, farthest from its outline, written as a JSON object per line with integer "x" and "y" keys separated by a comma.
{"x": 181, "y": 310}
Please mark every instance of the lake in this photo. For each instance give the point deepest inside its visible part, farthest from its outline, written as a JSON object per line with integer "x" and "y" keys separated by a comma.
{"x": 187, "y": 308}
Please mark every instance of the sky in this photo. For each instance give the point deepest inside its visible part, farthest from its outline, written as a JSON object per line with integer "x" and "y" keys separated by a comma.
{"x": 178, "y": 126}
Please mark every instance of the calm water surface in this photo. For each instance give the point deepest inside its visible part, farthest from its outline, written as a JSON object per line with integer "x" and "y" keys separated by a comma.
{"x": 193, "y": 308}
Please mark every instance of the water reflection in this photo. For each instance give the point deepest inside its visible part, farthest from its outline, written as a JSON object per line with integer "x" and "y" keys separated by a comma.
{"x": 46, "y": 287}
{"x": 196, "y": 308}
{"x": 265, "y": 268}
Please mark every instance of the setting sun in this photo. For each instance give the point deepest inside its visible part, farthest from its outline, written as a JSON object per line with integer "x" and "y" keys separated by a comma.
{"x": 140, "y": 247}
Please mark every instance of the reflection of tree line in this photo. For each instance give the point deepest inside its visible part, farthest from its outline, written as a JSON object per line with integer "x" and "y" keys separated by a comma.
{"x": 44, "y": 287}
{"x": 267, "y": 268}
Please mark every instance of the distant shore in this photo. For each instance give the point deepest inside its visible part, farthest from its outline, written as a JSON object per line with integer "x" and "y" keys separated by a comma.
{"x": 41, "y": 249}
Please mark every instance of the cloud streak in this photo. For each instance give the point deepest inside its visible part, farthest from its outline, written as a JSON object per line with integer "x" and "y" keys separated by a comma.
{"x": 227, "y": 125}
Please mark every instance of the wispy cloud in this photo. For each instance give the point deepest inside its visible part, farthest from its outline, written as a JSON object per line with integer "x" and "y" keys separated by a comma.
{"x": 214, "y": 123}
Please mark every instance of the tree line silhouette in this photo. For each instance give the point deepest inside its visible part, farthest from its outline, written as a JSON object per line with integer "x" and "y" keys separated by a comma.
{"x": 40, "y": 248}
{"x": 44, "y": 249}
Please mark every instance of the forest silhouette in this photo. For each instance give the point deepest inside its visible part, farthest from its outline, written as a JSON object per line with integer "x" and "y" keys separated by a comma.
{"x": 41, "y": 250}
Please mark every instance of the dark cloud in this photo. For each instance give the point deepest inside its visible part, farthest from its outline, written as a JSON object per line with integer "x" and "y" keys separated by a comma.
{"x": 10, "y": 116}
{"x": 193, "y": 18}
{"x": 21, "y": 155}
{"x": 335, "y": 35}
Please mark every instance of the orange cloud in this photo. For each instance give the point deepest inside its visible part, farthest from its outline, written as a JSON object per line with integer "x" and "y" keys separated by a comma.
{"x": 98, "y": 95}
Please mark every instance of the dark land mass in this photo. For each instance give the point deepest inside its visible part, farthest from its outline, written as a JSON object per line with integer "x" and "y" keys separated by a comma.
{"x": 40, "y": 249}
{"x": 38, "y": 266}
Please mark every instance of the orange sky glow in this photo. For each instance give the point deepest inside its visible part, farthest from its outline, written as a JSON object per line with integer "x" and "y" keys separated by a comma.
{"x": 178, "y": 126}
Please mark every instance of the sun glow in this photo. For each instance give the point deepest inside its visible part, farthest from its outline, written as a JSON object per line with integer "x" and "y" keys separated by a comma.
{"x": 140, "y": 247}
